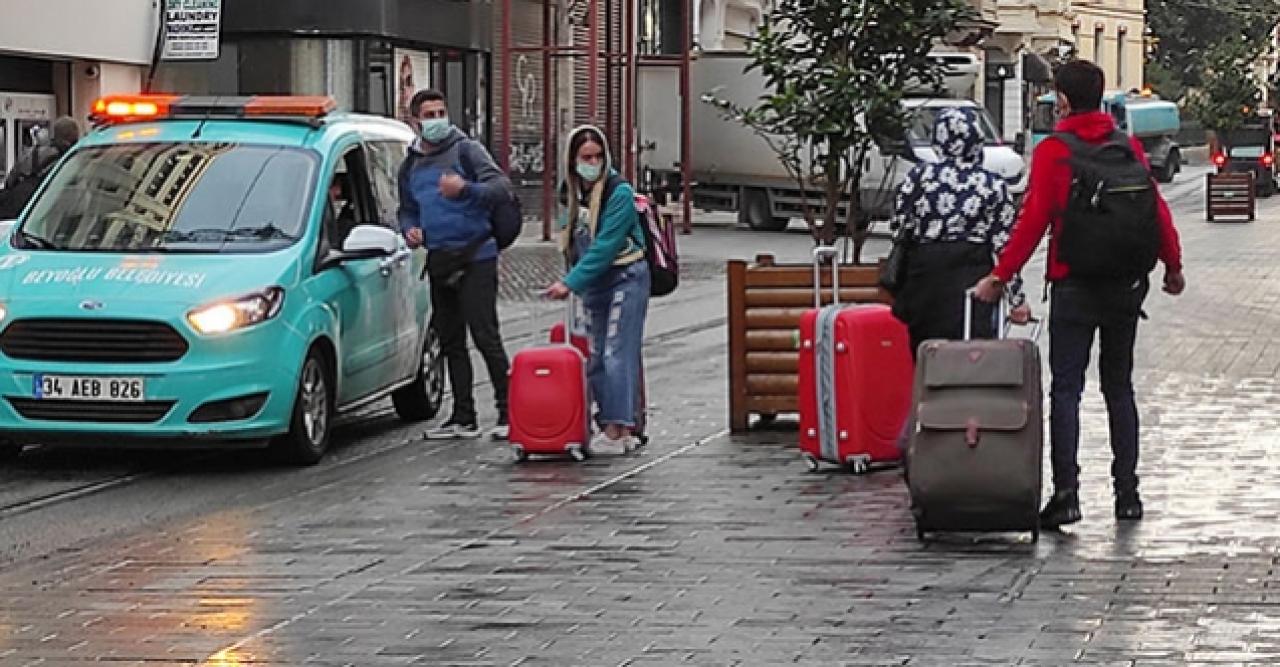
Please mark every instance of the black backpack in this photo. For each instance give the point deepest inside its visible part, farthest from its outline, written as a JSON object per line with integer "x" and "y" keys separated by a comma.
{"x": 507, "y": 217}
{"x": 1110, "y": 227}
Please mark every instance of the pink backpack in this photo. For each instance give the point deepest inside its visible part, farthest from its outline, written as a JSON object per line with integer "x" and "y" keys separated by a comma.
{"x": 660, "y": 248}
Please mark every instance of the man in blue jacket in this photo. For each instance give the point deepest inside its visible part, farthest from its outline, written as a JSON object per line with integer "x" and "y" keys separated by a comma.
{"x": 449, "y": 185}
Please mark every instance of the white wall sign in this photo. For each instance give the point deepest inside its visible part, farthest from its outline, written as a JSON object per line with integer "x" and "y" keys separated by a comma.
{"x": 191, "y": 29}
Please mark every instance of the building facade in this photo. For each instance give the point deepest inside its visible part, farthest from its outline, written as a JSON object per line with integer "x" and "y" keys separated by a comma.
{"x": 1111, "y": 34}
{"x": 369, "y": 55}
{"x": 51, "y": 65}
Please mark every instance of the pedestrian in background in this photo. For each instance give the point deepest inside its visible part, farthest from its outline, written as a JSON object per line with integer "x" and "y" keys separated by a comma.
{"x": 604, "y": 244}
{"x": 21, "y": 183}
{"x": 1092, "y": 186}
{"x": 950, "y": 219}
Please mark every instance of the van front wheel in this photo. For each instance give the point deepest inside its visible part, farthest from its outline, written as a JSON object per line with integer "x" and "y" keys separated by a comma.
{"x": 420, "y": 400}
{"x": 313, "y": 410}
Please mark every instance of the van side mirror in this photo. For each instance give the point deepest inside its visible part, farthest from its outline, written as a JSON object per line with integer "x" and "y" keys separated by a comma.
{"x": 364, "y": 242}
{"x": 1020, "y": 143}
{"x": 370, "y": 241}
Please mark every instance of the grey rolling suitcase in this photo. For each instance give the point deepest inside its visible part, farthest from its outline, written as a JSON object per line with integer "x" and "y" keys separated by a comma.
{"x": 977, "y": 434}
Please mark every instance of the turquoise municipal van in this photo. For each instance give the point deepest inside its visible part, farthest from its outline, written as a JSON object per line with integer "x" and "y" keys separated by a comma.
{"x": 214, "y": 271}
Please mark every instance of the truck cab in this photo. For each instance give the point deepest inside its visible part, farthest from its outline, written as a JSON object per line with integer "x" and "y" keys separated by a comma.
{"x": 1153, "y": 121}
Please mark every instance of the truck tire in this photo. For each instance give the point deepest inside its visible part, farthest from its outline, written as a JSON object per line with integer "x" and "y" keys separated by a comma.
{"x": 755, "y": 211}
{"x": 1172, "y": 165}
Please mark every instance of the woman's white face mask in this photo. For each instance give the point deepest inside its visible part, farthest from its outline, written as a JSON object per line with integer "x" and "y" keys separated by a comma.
{"x": 589, "y": 162}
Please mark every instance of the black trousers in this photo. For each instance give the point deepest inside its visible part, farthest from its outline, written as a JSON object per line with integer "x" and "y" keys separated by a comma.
{"x": 472, "y": 304}
{"x": 1079, "y": 310}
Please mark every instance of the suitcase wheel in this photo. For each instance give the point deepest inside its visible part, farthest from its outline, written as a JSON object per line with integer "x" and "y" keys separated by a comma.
{"x": 859, "y": 464}
{"x": 577, "y": 453}
{"x": 812, "y": 462}
{"x": 518, "y": 453}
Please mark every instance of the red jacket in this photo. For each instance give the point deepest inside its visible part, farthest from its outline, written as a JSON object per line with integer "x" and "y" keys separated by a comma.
{"x": 1046, "y": 198}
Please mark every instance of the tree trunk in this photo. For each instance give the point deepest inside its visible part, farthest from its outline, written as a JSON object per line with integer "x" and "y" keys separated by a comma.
{"x": 832, "y": 193}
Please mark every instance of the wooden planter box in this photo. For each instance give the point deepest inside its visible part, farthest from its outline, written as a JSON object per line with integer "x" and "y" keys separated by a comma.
{"x": 766, "y": 301}
{"x": 1230, "y": 196}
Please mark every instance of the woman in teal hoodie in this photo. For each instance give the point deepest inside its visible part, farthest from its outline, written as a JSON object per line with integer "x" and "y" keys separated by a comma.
{"x": 605, "y": 245}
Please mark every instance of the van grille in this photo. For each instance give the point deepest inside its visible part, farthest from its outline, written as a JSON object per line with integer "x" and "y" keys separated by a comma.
{"x": 141, "y": 412}
{"x": 92, "y": 340}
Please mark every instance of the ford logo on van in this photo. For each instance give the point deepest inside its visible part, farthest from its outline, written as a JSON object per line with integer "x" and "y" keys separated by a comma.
{"x": 91, "y": 305}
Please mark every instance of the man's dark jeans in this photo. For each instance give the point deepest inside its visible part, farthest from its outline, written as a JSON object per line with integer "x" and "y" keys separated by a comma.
{"x": 1079, "y": 309}
{"x": 471, "y": 304}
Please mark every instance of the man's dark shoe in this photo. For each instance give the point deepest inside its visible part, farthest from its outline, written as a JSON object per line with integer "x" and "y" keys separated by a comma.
{"x": 1128, "y": 506}
{"x": 1063, "y": 508}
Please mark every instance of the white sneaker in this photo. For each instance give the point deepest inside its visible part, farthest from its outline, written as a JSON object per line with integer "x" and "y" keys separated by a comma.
{"x": 500, "y": 432}
{"x": 452, "y": 430}
{"x": 603, "y": 444}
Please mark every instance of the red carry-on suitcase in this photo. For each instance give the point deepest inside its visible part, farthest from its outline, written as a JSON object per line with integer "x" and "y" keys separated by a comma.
{"x": 973, "y": 463}
{"x": 642, "y": 409}
{"x": 548, "y": 401}
{"x": 855, "y": 374}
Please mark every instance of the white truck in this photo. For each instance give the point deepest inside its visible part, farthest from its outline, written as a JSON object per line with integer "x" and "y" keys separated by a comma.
{"x": 734, "y": 170}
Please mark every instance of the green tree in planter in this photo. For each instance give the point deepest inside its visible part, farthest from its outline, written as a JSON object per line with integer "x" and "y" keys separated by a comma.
{"x": 1228, "y": 93}
{"x": 835, "y": 74}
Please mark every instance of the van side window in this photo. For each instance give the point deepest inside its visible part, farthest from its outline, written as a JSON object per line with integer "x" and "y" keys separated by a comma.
{"x": 385, "y": 158}
{"x": 349, "y": 202}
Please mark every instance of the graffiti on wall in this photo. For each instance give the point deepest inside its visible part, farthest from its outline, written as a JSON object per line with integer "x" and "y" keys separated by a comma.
{"x": 527, "y": 156}
{"x": 526, "y": 150}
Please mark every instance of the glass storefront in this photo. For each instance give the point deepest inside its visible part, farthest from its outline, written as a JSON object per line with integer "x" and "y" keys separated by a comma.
{"x": 366, "y": 75}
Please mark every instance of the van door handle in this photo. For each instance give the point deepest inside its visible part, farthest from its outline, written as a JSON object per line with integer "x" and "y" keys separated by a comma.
{"x": 398, "y": 258}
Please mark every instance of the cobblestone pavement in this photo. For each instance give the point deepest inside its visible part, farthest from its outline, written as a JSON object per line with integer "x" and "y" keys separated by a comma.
{"x": 530, "y": 266}
{"x": 707, "y": 549}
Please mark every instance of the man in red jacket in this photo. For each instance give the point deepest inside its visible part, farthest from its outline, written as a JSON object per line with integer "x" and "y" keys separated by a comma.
{"x": 1084, "y": 304}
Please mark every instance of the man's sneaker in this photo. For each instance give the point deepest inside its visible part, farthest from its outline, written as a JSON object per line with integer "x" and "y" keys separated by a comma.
{"x": 501, "y": 430}
{"x": 1128, "y": 506}
{"x": 603, "y": 444}
{"x": 1063, "y": 508}
{"x": 453, "y": 430}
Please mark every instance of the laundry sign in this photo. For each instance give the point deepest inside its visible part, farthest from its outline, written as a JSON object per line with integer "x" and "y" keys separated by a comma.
{"x": 191, "y": 29}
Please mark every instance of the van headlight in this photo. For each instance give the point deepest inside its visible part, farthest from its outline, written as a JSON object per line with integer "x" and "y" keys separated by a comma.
{"x": 237, "y": 313}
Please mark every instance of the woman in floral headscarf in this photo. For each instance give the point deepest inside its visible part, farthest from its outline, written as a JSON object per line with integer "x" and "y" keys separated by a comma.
{"x": 953, "y": 216}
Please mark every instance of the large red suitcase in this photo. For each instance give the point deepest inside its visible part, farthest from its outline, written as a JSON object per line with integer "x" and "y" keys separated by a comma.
{"x": 642, "y": 409}
{"x": 854, "y": 385}
{"x": 548, "y": 402}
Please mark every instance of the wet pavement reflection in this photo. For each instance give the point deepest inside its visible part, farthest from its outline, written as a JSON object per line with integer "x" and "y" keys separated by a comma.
{"x": 705, "y": 549}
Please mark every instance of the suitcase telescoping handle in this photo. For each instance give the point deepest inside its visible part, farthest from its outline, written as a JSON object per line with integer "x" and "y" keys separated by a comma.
{"x": 820, "y": 253}
{"x": 1003, "y": 324}
{"x": 569, "y": 313}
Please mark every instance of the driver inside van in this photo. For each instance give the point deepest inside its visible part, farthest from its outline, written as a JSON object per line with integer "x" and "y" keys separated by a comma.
{"x": 341, "y": 206}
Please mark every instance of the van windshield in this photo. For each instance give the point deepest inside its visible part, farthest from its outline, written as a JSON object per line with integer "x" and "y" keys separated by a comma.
{"x": 920, "y": 130}
{"x": 173, "y": 197}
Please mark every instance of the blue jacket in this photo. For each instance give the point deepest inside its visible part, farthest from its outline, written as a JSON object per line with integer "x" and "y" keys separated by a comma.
{"x": 451, "y": 224}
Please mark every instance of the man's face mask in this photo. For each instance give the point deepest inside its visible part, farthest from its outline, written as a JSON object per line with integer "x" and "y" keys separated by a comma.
{"x": 434, "y": 130}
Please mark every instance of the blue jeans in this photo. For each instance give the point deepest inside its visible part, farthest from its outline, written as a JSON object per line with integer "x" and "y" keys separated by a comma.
{"x": 615, "y": 313}
{"x": 1078, "y": 310}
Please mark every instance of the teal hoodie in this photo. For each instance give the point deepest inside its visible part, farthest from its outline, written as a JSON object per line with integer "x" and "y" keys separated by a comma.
{"x": 618, "y": 239}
